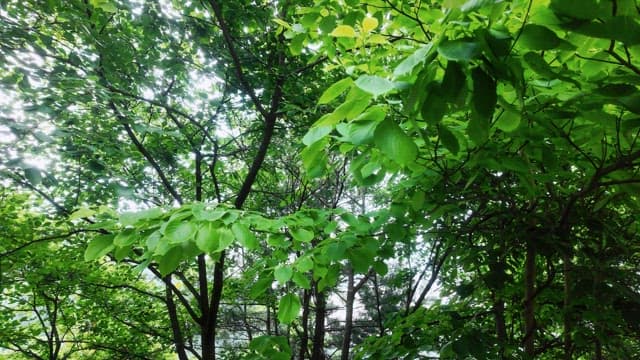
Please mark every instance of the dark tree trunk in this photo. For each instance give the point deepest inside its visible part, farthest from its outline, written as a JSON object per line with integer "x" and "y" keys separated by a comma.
{"x": 317, "y": 352}
{"x": 501, "y": 327}
{"x": 567, "y": 340}
{"x": 175, "y": 322}
{"x": 304, "y": 337}
{"x": 529, "y": 301}
{"x": 348, "y": 323}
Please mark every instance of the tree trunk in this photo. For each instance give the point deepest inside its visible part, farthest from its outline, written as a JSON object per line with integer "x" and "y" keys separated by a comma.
{"x": 173, "y": 318}
{"x": 348, "y": 322}
{"x": 567, "y": 341}
{"x": 317, "y": 352}
{"x": 501, "y": 327}
{"x": 304, "y": 337}
{"x": 378, "y": 305}
{"x": 529, "y": 301}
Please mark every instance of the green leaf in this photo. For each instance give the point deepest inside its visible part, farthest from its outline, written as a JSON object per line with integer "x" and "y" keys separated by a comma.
{"x": 125, "y": 238}
{"x": 344, "y": 31}
{"x": 288, "y": 308}
{"x": 434, "y": 106}
{"x": 374, "y": 85}
{"x": 357, "y": 132}
{"x": 472, "y": 5}
{"x": 262, "y": 285}
{"x": 394, "y": 143}
{"x": 538, "y": 37}
{"x": 179, "y": 231}
{"x": 448, "y": 139}
{"x": 508, "y": 121}
{"x": 621, "y": 28}
{"x": 301, "y": 280}
{"x": 83, "y": 212}
{"x": 130, "y": 218}
{"x": 304, "y": 264}
{"x": 282, "y": 274}
{"x": 314, "y": 158}
{"x": 380, "y": 268}
{"x": 99, "y": 247}
{"x": 580, "y": 9}
{"x": 453, "y": 82}
{"x": 302, "y": 235}
{"x": 478, "y": 129}
{"x": 170, "y": 261}
{"x": 105, "y": 5}
{"x": 335, "y": 90}
{"x": 407, "y": 65}
{"x": 484, "y": 93}
{"x": 225, "y": 238}
{"x": 207, "y": 237}
{"x": 459, "y": 50}
{"x": 244, "y": 236}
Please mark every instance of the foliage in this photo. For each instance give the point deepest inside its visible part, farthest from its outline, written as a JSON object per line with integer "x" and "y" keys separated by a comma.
{"x": 239, "y": 166}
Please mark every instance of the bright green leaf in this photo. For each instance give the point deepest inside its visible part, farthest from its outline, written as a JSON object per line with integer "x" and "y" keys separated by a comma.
{"x": 335, "y": 90}
{"x": 288, "y": 308}
{"x": 98, "y": 247}
{"x": 344, "y": 31}
{"x": 282, "y": 274}
{"x": 81, "y": 213}
{"x": 180, "y": 231}
{"x": 245, "y": 237}
{"x": 375, "y": 85}
{"x": 394, "y": 143}
{"x": 407, "y": 65}
{"x": 302, "y": 235}
{"x": 125, "y": 237}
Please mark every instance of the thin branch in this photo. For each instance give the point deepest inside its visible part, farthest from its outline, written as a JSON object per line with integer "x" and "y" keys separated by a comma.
{"x": 46, "y": 238}
{"x": 237, "y": 65}
{"x": 145, "y": 153}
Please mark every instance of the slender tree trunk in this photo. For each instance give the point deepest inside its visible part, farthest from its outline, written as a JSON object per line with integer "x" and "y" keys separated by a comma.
{"x": 268, "y": 320}
{"x": 175, "y": 322}
{"x": 348, "y": 322}
{"x": 529, "y": 301}
{"x": 501, "y": 327}
{"x": 304, "y": 337}
{"x": 378, "y": 305}
{"x": 567, "y": 340}
{"x": 317, "y": 352}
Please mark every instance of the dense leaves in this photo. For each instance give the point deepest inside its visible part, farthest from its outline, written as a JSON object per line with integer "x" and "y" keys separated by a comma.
{"x": 313, "y": 179}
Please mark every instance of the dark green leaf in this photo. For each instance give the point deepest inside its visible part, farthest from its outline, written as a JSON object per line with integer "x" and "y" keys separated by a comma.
{"x": 538, "y": 37}
{"x": 448, "y": 139}
{"x": 484, "y": 93}
{"x": 459, "y": 50}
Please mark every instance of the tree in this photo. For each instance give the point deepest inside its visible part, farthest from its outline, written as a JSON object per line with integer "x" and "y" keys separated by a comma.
{"x": 489, "y": 140}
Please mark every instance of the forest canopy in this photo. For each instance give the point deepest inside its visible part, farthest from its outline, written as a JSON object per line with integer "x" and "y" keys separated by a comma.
{"x": 321, "y": 179}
